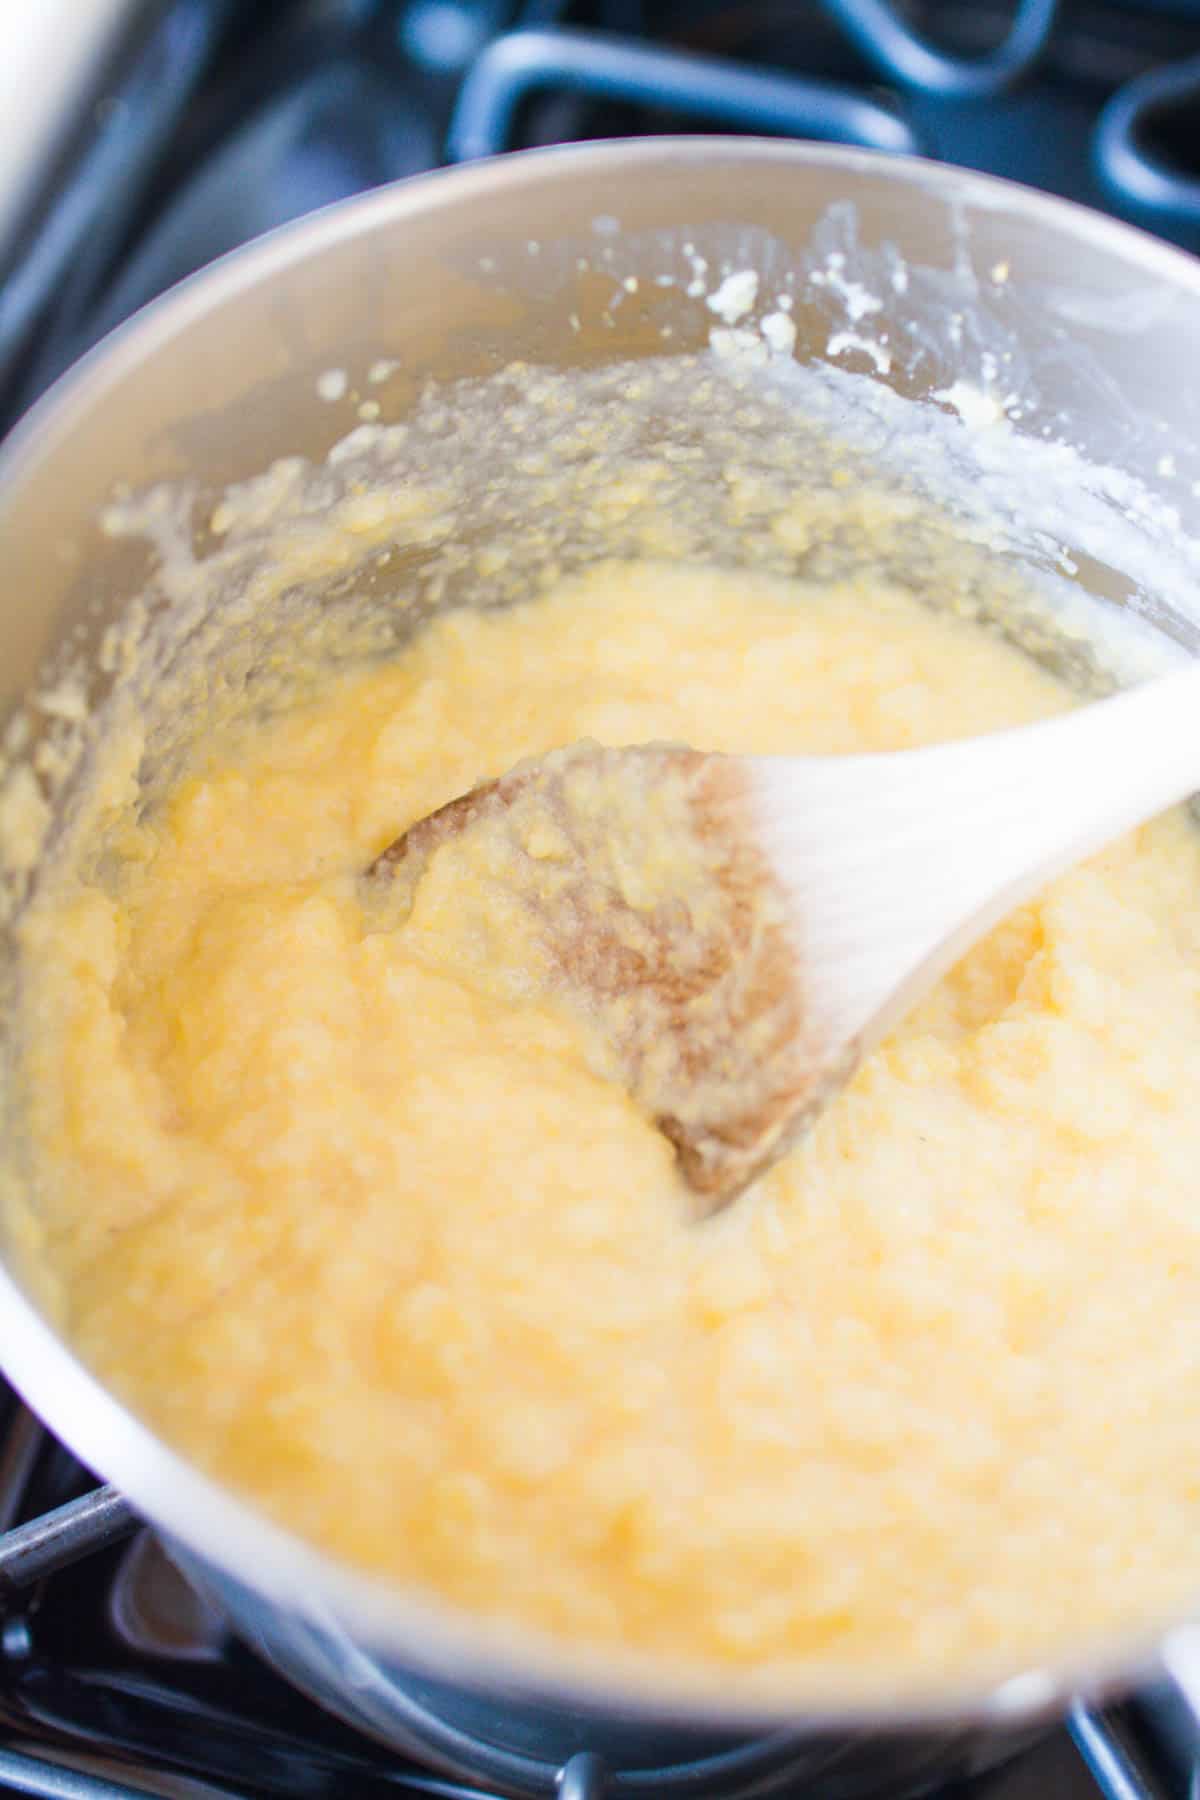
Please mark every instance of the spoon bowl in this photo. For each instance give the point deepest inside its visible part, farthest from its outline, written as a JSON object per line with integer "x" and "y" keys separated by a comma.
{"x": 742, "y": 930}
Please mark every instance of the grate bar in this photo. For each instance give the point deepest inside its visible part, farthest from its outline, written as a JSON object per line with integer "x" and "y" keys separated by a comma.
{"x": 54, "y": 1781}
{"x": 613, "y": 68}
{"x": 1110, "y": 1760}
{"x": 45, "y": 1545}
{"x": 901, "y": 54}
{"x": 1129, "y": 168}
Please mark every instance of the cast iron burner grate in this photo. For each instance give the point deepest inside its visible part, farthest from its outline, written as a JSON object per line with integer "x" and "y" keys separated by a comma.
{"x": 222, "y": 120}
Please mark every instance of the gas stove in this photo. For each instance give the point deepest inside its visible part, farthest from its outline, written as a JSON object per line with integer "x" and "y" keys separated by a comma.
{"x": 143, "y": 138}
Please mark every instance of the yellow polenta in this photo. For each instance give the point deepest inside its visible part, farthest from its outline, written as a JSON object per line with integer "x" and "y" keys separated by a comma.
{"x": 371, "y": 1238}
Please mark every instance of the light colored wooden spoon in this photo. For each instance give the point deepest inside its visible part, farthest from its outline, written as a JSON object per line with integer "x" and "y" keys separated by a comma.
{"x": 743, "y": 929}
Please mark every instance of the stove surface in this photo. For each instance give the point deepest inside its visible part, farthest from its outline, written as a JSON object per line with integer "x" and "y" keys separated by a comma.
{"x": 116, "y": 1676}
{"x": 216, "y": 120}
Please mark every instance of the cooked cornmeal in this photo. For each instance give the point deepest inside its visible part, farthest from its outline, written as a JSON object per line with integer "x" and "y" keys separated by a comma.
{"x": 374, "y": 1239}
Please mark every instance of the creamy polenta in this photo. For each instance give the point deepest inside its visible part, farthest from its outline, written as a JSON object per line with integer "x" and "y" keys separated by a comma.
{"x": 374, "y": 1239}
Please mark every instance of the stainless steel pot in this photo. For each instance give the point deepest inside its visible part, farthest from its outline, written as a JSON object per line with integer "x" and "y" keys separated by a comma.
{"x": 930, "y": 282}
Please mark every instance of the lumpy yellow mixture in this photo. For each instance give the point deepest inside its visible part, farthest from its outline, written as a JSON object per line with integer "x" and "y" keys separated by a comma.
{"x": 373, "y": 1239}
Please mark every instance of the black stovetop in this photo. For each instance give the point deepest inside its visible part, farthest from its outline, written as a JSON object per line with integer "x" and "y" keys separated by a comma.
{"x": 224, "y": 119}
{"x": 220, "y": 120}
{"x": 117, "y": 1677}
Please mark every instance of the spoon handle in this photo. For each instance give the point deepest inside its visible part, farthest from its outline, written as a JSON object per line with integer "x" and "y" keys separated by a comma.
{"x": 897, "y": 863}
{"x": 1058, "y": 791}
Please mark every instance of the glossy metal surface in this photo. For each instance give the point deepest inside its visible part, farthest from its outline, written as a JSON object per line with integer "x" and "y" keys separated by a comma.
{"x": 220, "y": 378}
{"x": 131, "y": 69}
{"x": 51, "y": 59}
{"x": 33, "y": 1551}
{"x": 900, "y": 54}
{"x": 27, "y": 1775}
{"x": 1125, "y": 159}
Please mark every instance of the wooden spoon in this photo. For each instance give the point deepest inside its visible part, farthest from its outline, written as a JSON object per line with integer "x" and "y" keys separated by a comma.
{"x": 743, "y": 929}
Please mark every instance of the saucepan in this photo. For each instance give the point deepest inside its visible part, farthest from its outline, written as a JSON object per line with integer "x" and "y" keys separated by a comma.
{"x": 1050, "y": 351}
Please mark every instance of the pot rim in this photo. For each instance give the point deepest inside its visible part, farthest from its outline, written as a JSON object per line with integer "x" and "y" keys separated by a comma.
{"x": 232, "y": 1534}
